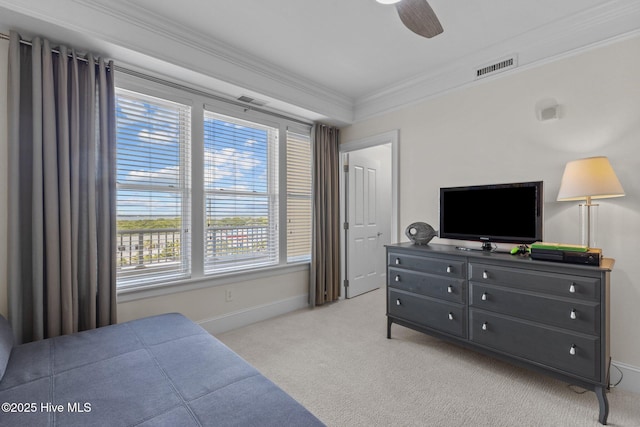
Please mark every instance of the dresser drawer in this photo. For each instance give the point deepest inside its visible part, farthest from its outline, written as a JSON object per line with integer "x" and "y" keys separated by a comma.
{"x": 573, "y": 314}
{"x": 445, "y": 288}
{"x": 443, "y": 316}
{"x": 574, "y": 353}
{"x": 441, "y": 266}
{"x": 556, "y": 284}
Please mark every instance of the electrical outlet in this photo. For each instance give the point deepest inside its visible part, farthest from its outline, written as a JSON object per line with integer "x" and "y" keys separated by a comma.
{"x": 228, "y": 295}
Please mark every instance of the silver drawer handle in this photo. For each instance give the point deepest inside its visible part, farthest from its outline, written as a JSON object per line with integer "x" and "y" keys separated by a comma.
{"x": 484, "y": 326}
{"x": 450, "y": 289}
{"x": 485, "y": 275}
{"x": 574, "y": 315}
{"x": 572, "y": 351}
{"x": 572, "y": 288}
{"x": 397, "y": 261}
{"x": 484, "y": 296}
{"x": 450, "y": 316}
{"x": 398, "y": 302}
{"x": 449, "y": 269}
{"x": 397, "y": 278}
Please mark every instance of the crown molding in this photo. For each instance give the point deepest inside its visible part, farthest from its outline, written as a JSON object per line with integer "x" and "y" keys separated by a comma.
{"x": 123, "y": 31}
{"x": 244, "y": 71}
{"x": 590, "y": 29}
{"x": 134, "y": 35}
{"x": 130, "y": 12}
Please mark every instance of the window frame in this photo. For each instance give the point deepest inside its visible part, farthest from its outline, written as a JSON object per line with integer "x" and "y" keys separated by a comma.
{"x": 129, "y": 277}
{"x": 272, "y": 187}
{"x": 199, "y": 101}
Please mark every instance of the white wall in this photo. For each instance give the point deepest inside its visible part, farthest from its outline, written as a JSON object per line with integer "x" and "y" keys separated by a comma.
{"x": 488, "y": 133}
{"x": 253, "y": 300}
{"x": 4, "y": 53}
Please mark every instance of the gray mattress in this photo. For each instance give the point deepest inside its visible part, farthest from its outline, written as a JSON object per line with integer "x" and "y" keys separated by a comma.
{"x": 157, "y": 371}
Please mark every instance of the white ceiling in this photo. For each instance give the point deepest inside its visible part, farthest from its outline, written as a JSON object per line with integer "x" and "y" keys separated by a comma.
{"x": 334, "y": 60}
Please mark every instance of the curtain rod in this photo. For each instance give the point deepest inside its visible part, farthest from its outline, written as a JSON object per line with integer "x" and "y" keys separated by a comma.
{"x": 182, "y": 87}
{"x": 56, "y": 51}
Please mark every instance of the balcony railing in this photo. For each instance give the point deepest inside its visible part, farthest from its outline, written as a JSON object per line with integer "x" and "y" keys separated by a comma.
{"x": 162, "y": 248}
{"x": 236, "y": 246}
{"x": 141, "y": 248}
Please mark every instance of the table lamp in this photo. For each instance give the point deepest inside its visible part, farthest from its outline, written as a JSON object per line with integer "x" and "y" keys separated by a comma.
{"x": 588, "y": 179}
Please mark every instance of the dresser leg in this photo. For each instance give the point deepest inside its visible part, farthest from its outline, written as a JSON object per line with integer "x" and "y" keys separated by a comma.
{"x": 604, "y": 404}
{"x": 389, "y": 328}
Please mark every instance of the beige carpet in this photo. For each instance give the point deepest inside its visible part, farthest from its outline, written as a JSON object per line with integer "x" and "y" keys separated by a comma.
{"x": 337, "y": 361}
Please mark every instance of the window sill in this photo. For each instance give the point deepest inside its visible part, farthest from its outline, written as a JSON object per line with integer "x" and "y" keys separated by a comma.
{"x": 158, "y": 289}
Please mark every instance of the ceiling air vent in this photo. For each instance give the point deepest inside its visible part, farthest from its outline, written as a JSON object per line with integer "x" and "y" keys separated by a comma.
{"x": 251, "y": 101}
{"x": 497, "y": 67}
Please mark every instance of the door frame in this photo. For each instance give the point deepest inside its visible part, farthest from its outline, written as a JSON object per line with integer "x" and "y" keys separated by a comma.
{"x": 393, "y": 138}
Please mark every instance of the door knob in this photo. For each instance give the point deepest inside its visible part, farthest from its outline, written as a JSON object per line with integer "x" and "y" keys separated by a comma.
{"x": 485, "y": 275}
{"x": 484, "y": 296}
{"x": 572, "y": 350}
{"x": 573, "y": 315}
{"x": 450, "y": 316}
{"x": 484, "y": 326}
{"x": 397, "y": 278}
{"x": 450, "y": 289}
{"x": 398, "y": 302}
{"x": 572, "y": 288}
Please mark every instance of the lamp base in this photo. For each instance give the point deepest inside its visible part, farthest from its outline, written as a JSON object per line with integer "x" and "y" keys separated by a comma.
{"x": 588, "y": 221}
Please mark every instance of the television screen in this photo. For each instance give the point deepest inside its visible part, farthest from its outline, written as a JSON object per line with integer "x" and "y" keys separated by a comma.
{"x": 509, "y": 213}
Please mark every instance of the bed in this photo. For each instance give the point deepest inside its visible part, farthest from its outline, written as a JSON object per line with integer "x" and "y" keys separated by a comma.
{"x": 158, "y": 371}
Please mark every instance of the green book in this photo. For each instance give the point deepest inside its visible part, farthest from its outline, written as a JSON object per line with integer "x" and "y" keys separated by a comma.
{"x": 559, "y": 246}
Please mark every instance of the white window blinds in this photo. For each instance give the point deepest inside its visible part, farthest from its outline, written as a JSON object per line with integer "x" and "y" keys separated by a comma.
{"x": 298, "y": 197}
{"x": 241, "y": 193}
{"x": 153, "y": 175}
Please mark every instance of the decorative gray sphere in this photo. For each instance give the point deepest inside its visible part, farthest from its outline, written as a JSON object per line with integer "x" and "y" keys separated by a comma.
{"x": 420, "y": 233}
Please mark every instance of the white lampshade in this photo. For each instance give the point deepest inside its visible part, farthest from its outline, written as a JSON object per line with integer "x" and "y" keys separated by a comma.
{"x": 590, "y": 178}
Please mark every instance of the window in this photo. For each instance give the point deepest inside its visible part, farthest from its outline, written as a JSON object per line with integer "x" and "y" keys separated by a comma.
{"x": 206, "y": 187}
{"x": 241, "y": 193}
{"x": 298, "y": 197}
{"x": 153, "y": 209}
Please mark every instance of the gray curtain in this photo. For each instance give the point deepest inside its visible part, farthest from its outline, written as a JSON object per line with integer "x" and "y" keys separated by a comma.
{"x": 61, "y": 218}
{"x": 324, "y": 282}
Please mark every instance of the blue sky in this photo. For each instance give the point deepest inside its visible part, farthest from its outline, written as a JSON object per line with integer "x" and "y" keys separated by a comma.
{"x": 235, "y": 159}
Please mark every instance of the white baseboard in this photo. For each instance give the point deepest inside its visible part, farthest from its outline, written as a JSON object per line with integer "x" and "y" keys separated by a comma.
{"x": 238, "y": 319}
{"x": 630, "y": 376}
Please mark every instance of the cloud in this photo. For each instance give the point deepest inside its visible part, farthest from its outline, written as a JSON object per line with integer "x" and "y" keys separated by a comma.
{"x": 157, "y": 136}
{"x": 230, "y": 169}
{"x": 169, "y": 176}
{"x": 148, "y": 122}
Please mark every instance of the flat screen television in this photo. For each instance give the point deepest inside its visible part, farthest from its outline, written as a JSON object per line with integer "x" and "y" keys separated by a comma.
{"x": 500, "y": 213}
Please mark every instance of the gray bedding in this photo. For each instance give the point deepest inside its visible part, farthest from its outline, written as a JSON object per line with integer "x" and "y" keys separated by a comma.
{"x": 157, "y": 371}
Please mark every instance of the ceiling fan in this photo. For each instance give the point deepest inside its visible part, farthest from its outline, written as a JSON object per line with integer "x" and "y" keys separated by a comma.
{"x": 417, "y": 16}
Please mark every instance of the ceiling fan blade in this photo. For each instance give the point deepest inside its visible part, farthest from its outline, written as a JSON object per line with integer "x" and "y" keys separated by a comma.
{"x": 418, "y": 16}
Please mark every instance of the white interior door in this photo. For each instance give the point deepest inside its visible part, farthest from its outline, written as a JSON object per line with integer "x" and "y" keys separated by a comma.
{"x": 368, "y": 218}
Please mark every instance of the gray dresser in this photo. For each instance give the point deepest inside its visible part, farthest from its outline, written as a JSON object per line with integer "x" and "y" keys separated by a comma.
{"x": 550, "y": 317}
